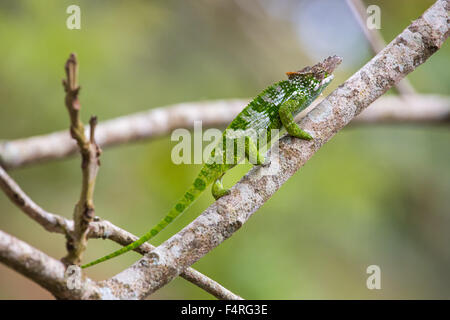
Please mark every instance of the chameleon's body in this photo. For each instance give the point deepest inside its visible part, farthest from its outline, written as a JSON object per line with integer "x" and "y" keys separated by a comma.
{"x": 274, "y": 108}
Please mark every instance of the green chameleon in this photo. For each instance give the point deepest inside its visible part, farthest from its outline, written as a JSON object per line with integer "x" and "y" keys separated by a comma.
{"x": 274, "y": 108}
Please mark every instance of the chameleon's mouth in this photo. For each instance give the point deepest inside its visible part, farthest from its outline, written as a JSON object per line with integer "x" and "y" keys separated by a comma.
{"x": 319, "y": 70}
{"x": 329, "y": 64}
{"x": 324, "y": 82}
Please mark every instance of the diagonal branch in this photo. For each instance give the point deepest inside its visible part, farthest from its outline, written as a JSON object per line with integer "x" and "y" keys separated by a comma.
{"x": 42, "y": 269}
{"x": 51, "y": 222}
{"x": 90, "y": 153}
{"x": 407, "y": 109}
{"x": 161, "y": 121}
{"x": 217, "y": 223}
{"x": 105, "y": 229}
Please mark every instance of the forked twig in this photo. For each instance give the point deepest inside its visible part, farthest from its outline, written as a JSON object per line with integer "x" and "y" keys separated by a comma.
{"x": 84, "y": 211}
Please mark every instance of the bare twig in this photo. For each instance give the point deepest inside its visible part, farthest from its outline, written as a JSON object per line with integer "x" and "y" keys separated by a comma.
{"x": 51, "y": 222}
{"x": 90, "y": 153}
{"x": 105, "y": 229}
{"x": 161, "y": 121}
{"x": 407, "y": 109}
{"x": 375, "y": 40}
{"x": 99, "y": 229}
{"x": 406, "y": 52}
{"x": 150, "y": 124}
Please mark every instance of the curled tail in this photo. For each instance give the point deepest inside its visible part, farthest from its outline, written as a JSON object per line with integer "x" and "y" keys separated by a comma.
{"x": 189, "y": 198}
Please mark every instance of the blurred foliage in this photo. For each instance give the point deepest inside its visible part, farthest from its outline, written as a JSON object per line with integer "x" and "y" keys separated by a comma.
{"x": 372, "y": 195}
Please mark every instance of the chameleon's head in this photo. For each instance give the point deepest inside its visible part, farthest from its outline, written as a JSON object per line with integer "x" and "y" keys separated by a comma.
{"x": 314, "y": 79}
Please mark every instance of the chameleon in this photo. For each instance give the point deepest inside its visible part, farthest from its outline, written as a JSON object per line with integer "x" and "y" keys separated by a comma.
{"x": 273, "y": 108}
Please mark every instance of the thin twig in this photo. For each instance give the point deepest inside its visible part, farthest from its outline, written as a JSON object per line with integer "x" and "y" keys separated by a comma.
{"x": 99, "y": 229}
{"x": 105, "y": 229}
{"x": 90, "y": 153}
{"x": 161, "y": 121}
{"x": 375, "y": 40}
{"x": 407, "y": 109}
{"x": 51, "y": 222}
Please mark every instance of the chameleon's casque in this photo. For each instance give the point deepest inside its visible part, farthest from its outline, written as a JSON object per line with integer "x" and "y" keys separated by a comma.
{"x": 274, "y": 108}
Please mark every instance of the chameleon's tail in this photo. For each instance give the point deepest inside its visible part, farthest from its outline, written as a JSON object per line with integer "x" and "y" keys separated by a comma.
{"x": 189, "y": 198}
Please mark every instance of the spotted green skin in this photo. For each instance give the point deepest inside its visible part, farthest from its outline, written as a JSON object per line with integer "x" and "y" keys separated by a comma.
{"x": 274, "y": 108}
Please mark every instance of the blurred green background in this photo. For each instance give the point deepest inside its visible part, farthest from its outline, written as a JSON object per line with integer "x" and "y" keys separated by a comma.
{"x": 372, "y": 195}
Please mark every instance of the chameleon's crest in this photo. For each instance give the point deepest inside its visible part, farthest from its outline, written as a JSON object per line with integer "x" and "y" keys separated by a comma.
{"x": 319, "y": 70}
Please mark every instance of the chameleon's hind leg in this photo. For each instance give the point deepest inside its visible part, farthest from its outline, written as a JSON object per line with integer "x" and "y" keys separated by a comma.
{"x": 251, "y": 151}
{"x": 218, "y": 190}
{"x": 287, "y": 119}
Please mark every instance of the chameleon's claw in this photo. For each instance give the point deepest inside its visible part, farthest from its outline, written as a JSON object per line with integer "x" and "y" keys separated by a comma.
{"x": 266, "y": 162}
{"x": 303, "y": 135}
{"x": 221, "y": 194}
{"x": 218, "y": 191}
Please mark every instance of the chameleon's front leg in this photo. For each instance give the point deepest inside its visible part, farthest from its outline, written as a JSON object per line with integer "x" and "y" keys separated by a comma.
{"x": 285, "y": 113}
{"x": 218, "y": 190}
